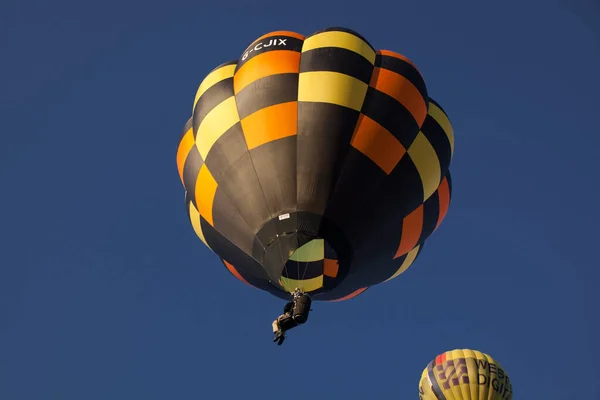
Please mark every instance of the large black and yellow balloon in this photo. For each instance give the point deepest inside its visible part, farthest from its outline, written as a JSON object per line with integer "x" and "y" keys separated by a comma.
{"x": 316, "y": 162}
{"x": 464, "y": 375}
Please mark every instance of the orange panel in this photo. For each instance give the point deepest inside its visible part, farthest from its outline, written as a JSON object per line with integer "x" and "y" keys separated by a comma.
{"x": 270, "y": 123}
{"x": 235, "y": 273}
{"x": 330, "y": 267}
{"x": 377, "y": 143}
{"x": 206, "y": 188}
{"x": 412, "y": 227}
{"x": 265, "y": 64}
{"x": 444, "y": 200}
{"x": 401, "y": 89}
{"x": 186, "y": 144}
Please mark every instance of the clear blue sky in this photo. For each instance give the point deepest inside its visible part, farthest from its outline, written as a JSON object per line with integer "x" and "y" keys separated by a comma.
{"x": 106, "y": 293}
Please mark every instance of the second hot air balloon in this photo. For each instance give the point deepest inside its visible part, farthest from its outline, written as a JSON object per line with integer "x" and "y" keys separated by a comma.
{"x": 464, "y": 374}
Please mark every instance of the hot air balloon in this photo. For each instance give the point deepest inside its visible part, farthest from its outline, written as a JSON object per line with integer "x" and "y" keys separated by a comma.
{"x": 316, "y": 163}
{"x": 464, "y": 375}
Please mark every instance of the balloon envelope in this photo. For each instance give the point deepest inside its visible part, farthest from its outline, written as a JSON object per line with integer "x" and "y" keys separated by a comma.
{"x": 464, "y": 375}
{"x": 316, "y": 162}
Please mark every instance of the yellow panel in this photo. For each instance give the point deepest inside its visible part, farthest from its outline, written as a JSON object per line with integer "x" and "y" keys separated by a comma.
{"x": 306, "y": 285}
{"x": 442, "y": 119}
{"x": 311, "y": 251}
{"x": 423, "y": 385}
{"x": 332, "y": 87}
{"x": 472, "y": 372}
{"x": 344, "y": 40}
{"x": 426, "y": 160}
{"x": 213, "y": 78}
{"x": 206, "y": 188}
{"x": 195, "y": 220}
{"x": 410, "y": 258}
{"x": 215, "y": 124}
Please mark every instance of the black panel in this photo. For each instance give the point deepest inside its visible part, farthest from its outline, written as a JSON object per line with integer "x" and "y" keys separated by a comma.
{"x": 377, "y": 266}
{"x": 248, "y": 268}
{"x": 324, "y": 133}
{"x": 186, "y": 128}
{"x": 277, "y": 253}
{"x": 376, "y": 231}
{"x": 302, "y": 270}
{"x": 267, "y": 91}
{"x": 392, "y": 115}
{"x": 336, "y": 59}
{"x": 191, "y": 168}
{"x": 358, "y": 183}
{"x": 402, "y": 192}
{"x": 330, "y": 252}
{"x": 374, "y": 219}
{"x": 264, "y": 238}
{"x": 275, "y": 165}
{"x": 226, "y": 151}
{"x": 339, "y": 242}
{"x": 243, "y": 189}
{"x": 228, "y": 221}
{"x": 189, "y": 199}
{"x": 309, "y": 224}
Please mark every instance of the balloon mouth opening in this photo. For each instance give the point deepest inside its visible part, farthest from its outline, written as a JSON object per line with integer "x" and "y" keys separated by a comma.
{"x": 309, "y": 266}
{"x": 303, "y": 250}
{"x": 312, "y": 251}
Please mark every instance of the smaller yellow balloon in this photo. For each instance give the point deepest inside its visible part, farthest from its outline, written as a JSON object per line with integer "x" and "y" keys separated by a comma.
{"x": 464, "y": 375}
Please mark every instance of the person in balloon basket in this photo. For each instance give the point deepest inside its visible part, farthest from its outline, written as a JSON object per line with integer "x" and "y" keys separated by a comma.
{"x": 295, "y": 313}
